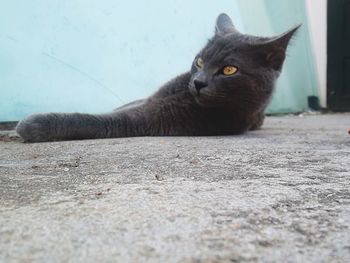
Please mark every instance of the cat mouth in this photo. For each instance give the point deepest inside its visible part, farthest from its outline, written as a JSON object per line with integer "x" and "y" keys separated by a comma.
{"x": 198, "y": 92}
{"x": 203, "y": 97}
{"x": 195, "y": 93}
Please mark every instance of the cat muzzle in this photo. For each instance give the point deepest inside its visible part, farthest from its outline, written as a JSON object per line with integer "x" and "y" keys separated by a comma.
{"x": 200, "y": 84}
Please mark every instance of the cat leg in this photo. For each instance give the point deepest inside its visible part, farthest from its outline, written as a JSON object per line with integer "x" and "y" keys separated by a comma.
{"x": 75, "y": 126}
{"x": 258, "y": 121}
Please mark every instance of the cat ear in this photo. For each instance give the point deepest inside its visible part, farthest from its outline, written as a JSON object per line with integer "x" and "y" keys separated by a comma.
{"x": 275, "y": 48}
{"x": 224, "y": 25}
{"x": 282, "y": 40}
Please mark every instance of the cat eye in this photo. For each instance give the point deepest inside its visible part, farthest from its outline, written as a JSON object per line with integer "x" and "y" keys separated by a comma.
{"x": 200, "y": 63}
{"x": 229, "y": 70}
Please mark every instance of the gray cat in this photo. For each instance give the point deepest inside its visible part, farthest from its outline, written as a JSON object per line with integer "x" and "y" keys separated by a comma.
{"x": 226, "y": 92}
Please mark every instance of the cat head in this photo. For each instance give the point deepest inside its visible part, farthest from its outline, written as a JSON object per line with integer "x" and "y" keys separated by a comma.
{"x": 237, "y": 71}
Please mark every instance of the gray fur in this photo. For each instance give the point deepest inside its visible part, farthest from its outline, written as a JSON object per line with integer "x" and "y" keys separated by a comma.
{"x": 222, "y": 105}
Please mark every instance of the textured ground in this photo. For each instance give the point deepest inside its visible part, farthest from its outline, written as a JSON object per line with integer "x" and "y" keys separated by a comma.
{"x": 281, "y": 194}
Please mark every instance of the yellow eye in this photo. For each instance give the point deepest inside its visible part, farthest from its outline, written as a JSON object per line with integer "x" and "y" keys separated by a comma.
{"x": 229, "y": 70}
{"x": 200, "y": 63}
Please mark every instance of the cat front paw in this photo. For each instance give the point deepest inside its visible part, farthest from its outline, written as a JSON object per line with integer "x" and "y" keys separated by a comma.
{"x": 35, "y": 128}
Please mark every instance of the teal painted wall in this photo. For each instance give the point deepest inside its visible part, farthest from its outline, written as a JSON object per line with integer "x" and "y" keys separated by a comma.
{"x": 298, "y": 79}
{"x": 92, "y": 56}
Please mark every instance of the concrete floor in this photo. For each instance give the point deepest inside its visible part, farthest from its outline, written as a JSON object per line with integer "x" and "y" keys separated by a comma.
{"x": 281, "y": 194}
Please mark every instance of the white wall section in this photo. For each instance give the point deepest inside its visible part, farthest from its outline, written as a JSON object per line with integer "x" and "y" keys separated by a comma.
{"x": 317, "y": 15}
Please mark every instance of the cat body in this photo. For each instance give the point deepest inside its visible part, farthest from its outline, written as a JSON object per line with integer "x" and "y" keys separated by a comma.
{"x": 226, "y": 92}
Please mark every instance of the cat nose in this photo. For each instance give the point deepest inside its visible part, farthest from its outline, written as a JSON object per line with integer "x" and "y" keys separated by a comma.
{"x": 200, "y": 84}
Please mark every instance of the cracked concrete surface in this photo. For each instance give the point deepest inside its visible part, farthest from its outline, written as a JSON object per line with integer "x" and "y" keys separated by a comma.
{"x": 281, "y": 194}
